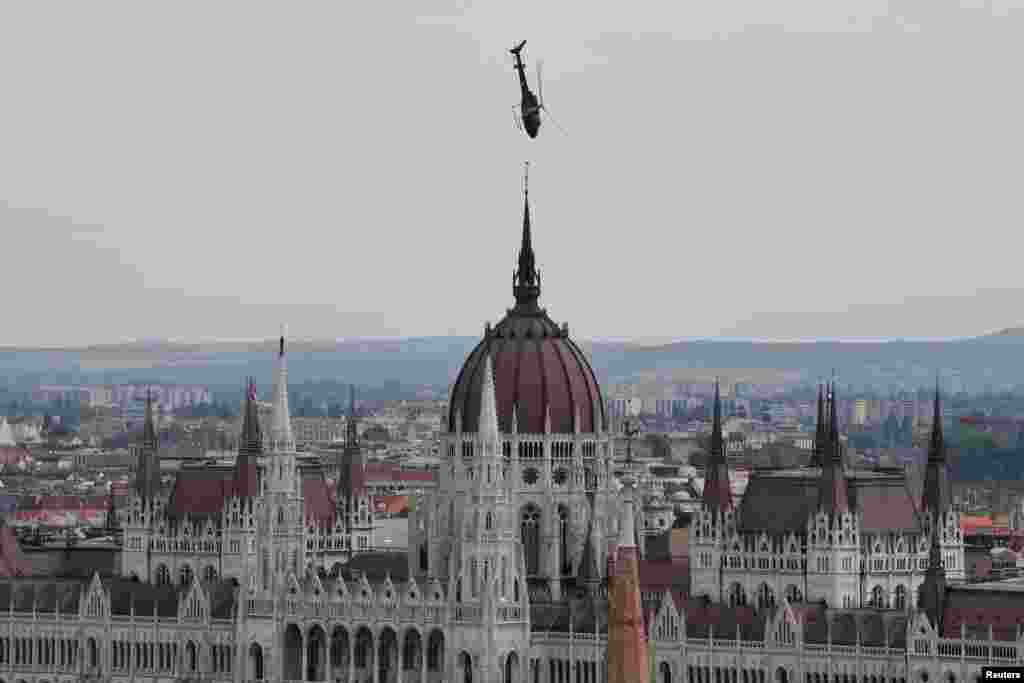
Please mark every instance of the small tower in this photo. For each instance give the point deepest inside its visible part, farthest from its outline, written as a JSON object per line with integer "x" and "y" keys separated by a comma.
{"x": 353, "y": 501}
{"x": 283, "y": 524}
{"x": 833, "y": 532}
{"x": 820, "y": 433}
{"x": 932, "y": 594}
{"x": 239, "y": 526}
{"x": 936, "y": 500}
{"x": 146, "y": 503}
{"x": 714, "y": 522}
{"x": 489, "y": 560}
{"x": 627, "y": 641}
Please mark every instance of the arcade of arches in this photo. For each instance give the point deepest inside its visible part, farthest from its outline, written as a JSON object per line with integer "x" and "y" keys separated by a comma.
{"x": 710, "y": 674}
{"x": 340, "y": 653}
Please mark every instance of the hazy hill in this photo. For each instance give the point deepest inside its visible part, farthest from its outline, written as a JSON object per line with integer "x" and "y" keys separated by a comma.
{"x": 991, "y": 359}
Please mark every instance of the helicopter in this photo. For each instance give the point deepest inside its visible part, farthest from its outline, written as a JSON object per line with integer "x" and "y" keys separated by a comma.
{"x": 530, "y": 105}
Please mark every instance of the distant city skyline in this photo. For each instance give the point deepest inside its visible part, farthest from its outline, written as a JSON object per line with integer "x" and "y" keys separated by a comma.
{"x": 326, "y": 166}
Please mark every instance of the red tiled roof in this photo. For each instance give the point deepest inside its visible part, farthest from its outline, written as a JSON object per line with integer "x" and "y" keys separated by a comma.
{"x": 319, "y": 503}
{"x": 201, "y": 492}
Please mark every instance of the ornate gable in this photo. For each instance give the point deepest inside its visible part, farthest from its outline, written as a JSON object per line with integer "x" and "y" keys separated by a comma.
{"x": 435, "y": 593}
{"x": 413, "y": 595}
{"x": 194, "y": 605}
{"x": 920, "y": 626}
{"x": 667, "y": 624}
{"x": 364, "y": 592}
{"x": 96, "y": 602}
{"x": 785, "y": 626}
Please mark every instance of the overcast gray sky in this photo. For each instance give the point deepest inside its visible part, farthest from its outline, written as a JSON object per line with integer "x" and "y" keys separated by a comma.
{"x": 786, "y": 169}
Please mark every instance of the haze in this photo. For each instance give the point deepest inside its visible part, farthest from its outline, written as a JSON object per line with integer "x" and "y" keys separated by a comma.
{"x": 783, "y": 170}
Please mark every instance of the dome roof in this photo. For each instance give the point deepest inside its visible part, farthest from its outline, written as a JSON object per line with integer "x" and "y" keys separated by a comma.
{"x": 538, "y": 369}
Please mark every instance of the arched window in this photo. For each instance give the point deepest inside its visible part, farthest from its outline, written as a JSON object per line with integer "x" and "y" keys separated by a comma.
{"x": 737, "y": 596}
{"x": 489, "y": 521}
{"x": 901, "y": 597}
{"x": 793, "y": 594}
{"x": 664, "y": 673}
{"x": 423, "y": 557}
{"x": 163, "y": 575}
{"x": 530, "y": 533}
{"x": 185, "y": 575}
{"x": 209, "y": 573}
{"x": 765, "y": 596}
{"x": 877, "y": 597}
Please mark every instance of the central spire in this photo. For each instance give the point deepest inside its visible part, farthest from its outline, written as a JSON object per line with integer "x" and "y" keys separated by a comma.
{"x": 281, "y": 422}
{"x": 526, "y": 279}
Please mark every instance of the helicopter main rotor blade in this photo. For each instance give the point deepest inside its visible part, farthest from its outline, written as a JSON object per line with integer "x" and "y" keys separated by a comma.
{"x": 553, "y": 120}
{"x": 540, "y": 83}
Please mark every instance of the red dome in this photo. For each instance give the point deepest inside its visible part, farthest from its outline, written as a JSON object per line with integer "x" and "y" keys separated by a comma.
{"x": 537, "y": 368}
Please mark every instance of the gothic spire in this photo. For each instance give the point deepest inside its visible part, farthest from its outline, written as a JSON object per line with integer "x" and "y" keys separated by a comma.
{"x": 526, "y": 280}
{"x": 250, "y": 445}
{"x": 932, "y": 596}
{"x": 832, "y": 493}
{"x": 149, "y": 437}
{"x": 717, "y": 490}
{"x": 820, "y": 432}
{"x": 487, "y": 426}
{"x": 147, "y": 468}
{"x": 833, "y": 425}
{"x": 590, "y": 559}
{"x": 936, "y": 495}
{"x": 281, "y": 423}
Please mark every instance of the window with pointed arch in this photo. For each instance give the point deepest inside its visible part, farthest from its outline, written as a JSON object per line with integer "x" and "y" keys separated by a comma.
{"x": 185, "y": 575}
{"x": 563, "y": 540}
{"x": 793, "y": 594}
{"x": 737, "y": 596}
{"x": 900, "y": 597}
{"x": 530, "y": 537}
{"x": 489, "y": 521}
{"x": 162, "y": 576}
{"x": 209, "y": 573}
{"x": 877, "y": 597}
{"x": 765, "y": 596}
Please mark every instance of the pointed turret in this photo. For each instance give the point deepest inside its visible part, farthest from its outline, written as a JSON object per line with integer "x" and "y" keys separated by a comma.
{"x": 627, "y": 641}
{"x": 820, "y": 433}
{"x": 149, "y": 437}
{"x": 833, "y": 496}
{"x": 526, "y": 279}
{"x": 488, "y": 423}
{"x": 932, "y": 595}
{"x": 717, "y": 491}
{"x": 281, "y": 438}
{"x": 351, "y": 468}
{"x": 147, "y": 474}
{"x": 936, "y": 495}
{"x": 591, "y": 570}
{"x": 250, "y": 447}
